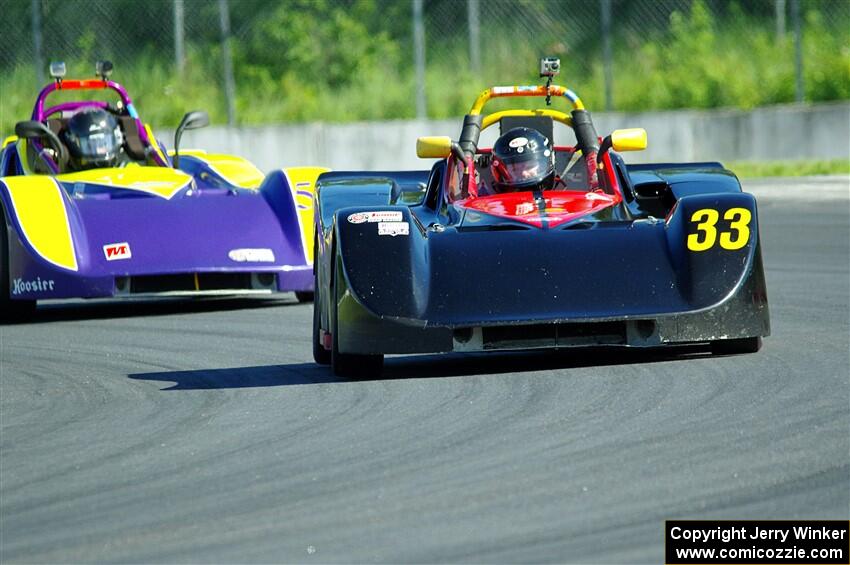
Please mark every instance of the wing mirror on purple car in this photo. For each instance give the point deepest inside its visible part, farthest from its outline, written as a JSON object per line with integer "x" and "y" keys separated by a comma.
{"x": 33, "y": 129}
{"x": 191, "y": 120}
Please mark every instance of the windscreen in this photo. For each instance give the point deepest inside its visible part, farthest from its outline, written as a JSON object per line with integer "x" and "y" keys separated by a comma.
{"x": 571, "y": 169}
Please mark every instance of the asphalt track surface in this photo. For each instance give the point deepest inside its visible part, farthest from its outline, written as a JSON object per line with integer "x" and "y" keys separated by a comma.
{"x": 202, "y": 431}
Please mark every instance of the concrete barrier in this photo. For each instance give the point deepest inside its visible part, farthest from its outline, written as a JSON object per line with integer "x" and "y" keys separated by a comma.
{"x": 820, "y": 131}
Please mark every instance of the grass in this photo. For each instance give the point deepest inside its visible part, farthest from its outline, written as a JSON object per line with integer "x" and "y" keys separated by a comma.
{"x": 801, "y": 168}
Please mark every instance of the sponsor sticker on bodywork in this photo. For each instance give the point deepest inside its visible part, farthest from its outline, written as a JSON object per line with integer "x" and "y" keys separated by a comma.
{"x": 375, "y": 216}
{"x": 21, "y": 286}
{"x": 115, "y": 251}
{"x": 249, "y": 255}
{"x": 393, "y": 228}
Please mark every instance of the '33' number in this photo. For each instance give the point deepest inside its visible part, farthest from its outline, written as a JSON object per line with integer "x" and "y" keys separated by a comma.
{"x": 706, "y": 236}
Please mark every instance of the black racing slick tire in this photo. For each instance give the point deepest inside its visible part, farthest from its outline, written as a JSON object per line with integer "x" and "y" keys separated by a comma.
{"x": 354, "y": 366}
{"x": 320, "y": 355}
{"x": 304, "y": 296}
{"x": 10, "y": 310}
{"x": 349, "y": 365}
{"x": 735, "y": 346}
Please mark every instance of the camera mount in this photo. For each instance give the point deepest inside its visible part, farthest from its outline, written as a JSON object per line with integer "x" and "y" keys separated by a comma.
{"x": 103, "y": 69}
{"x": 57, "y": 71}
{"x": 549, "y": 68}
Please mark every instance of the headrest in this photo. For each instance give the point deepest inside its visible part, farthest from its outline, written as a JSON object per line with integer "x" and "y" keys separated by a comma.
{"x": 57, "y": 124}
{"x": 543, "y": 124}
{"x": 132, "y": 141}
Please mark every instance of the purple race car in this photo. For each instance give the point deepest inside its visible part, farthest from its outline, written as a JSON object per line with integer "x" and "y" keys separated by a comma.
{"x": 94, "y": 206}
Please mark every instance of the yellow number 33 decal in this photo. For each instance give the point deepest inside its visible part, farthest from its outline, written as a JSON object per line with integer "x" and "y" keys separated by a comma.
{"x": 706, "y": 236}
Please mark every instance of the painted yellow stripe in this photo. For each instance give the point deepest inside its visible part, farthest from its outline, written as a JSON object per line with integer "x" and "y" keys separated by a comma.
{"x": 164, "y": 182}
{"x": 155, "y": 143}
{"x": 39, "y": 205}
{"x": 8, "y": 140}
{"x": 304, "y": 179}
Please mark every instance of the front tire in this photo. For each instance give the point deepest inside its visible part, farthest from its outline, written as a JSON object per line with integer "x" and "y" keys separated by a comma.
{"x": 350, "y": 365}
{"x": 354, "y": 366}
{"x": 10, "y": 310}
{"x": 736, "y": 346}
{"x": 320, "y": 355}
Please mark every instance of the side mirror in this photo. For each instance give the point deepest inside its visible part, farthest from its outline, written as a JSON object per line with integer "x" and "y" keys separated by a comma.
{"x": 31, "y": 129}
{"x": 192, "y": 120}
{"x": 434, "y": 147}
{"x": 632, "y": 139}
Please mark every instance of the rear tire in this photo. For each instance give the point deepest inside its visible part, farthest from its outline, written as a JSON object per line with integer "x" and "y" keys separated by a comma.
{"x": 735, "y": 346}
{"x": 10, "y": 310}
{"x": 350, "y": 365}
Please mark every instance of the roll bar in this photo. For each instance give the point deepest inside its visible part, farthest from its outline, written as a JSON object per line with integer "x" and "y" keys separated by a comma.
{"x": 579, "y": 119}
{"x": 40, "y": 113}
{"x": 526, "y": 91}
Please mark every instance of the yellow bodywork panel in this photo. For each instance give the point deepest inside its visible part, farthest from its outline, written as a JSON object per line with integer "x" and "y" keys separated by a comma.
{"x": 39, "y": 205}
{"x": 302, "y": 184}
{"x": 160, "y": 181}
{"x": 235, "y": 170}
{"x": 8, "y": 140}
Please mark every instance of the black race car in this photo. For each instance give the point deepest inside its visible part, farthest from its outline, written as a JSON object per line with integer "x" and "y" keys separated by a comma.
{"x": 607, "y": 254}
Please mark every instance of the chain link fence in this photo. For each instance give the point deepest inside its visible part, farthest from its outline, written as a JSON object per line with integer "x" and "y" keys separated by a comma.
{"x": 261, "y": 61}
{"x": 650, "y": 54}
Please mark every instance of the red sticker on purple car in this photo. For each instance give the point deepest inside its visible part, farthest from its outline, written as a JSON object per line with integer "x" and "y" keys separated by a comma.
{"x": 115, "y": 251}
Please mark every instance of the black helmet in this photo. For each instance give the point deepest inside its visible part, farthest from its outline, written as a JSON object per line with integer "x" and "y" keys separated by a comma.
{"x": 523, "y": 159}
{"x": 93, "y": 138}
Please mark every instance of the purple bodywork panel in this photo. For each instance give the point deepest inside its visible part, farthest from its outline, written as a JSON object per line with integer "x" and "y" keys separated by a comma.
{"x": 199, "y": 230}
